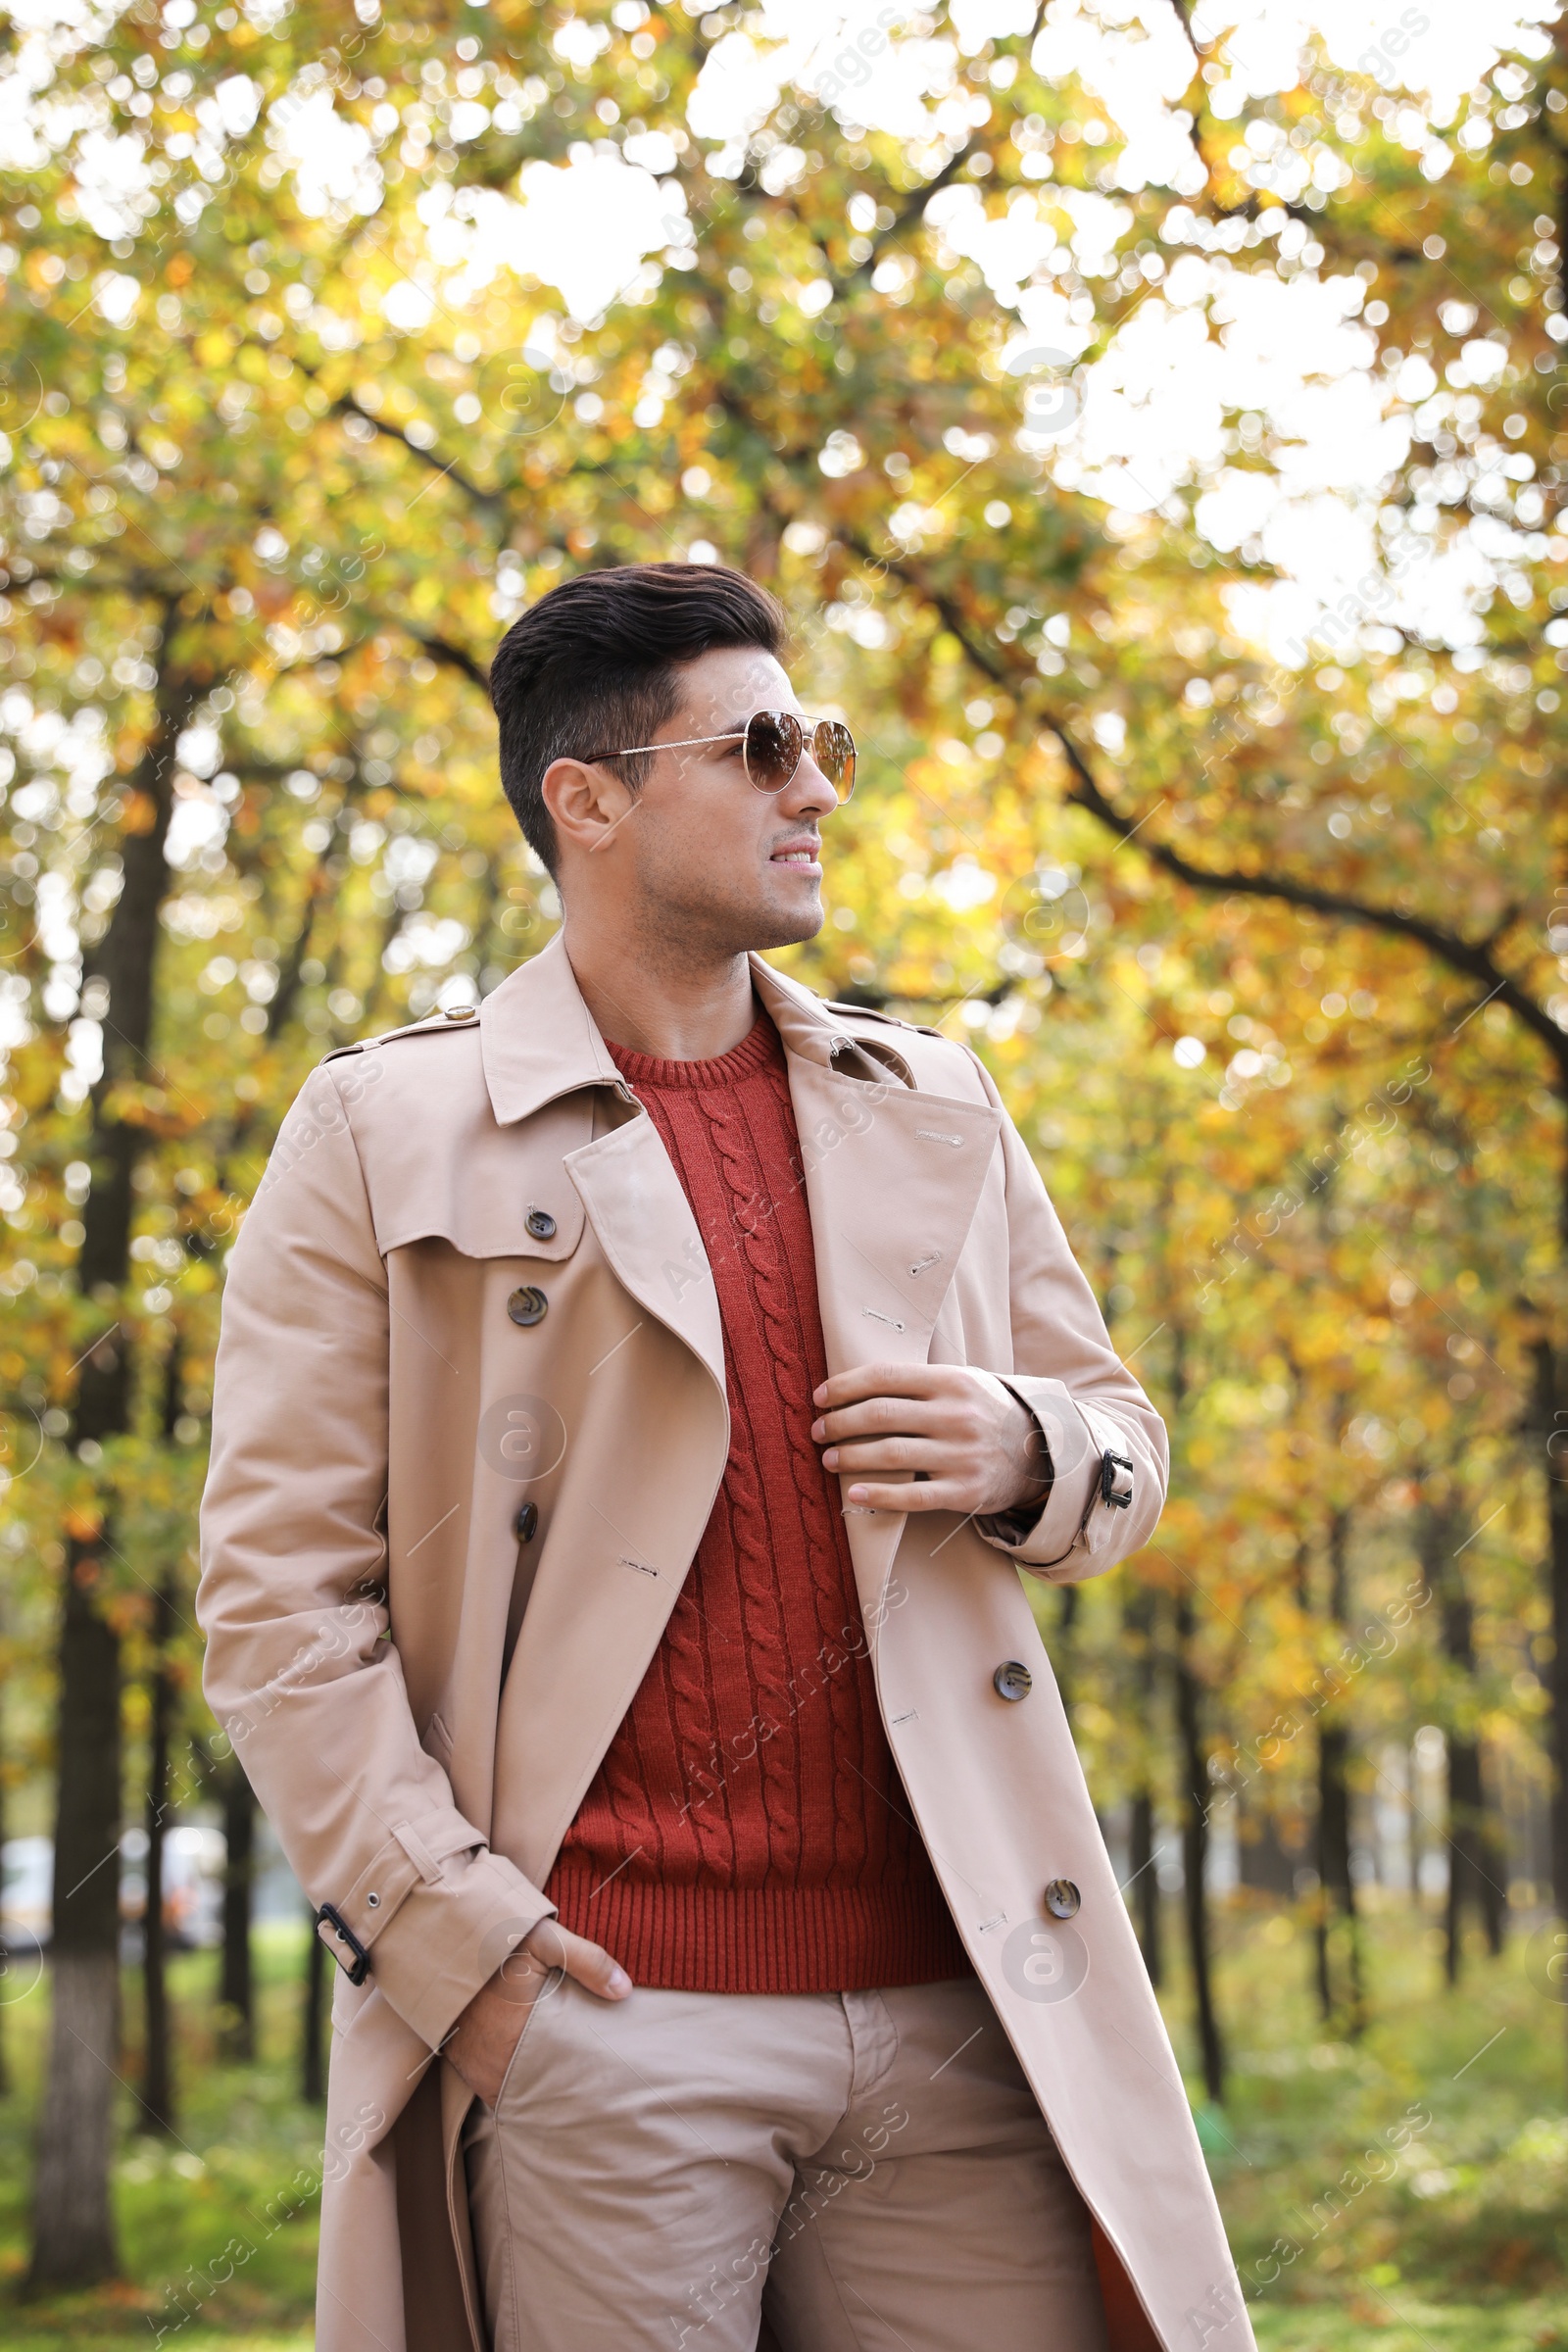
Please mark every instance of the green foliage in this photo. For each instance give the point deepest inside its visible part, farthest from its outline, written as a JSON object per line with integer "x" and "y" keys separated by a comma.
{"x": 242, "y": 2174}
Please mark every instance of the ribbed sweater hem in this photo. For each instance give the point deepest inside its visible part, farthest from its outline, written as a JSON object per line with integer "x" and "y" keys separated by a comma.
{"x": 764, "y": 1938}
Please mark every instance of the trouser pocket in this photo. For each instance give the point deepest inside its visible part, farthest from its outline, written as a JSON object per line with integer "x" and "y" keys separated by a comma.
{"x": 548, "y": 1991}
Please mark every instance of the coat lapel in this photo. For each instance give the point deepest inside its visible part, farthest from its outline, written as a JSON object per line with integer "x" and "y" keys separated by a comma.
{"x": 539, "y": 1041}
{"x": 637, "y": 1483}
{"x": 893, "y": 1177}
{"x": 637, "y": 1207}
{"x": 891, "y": 1180}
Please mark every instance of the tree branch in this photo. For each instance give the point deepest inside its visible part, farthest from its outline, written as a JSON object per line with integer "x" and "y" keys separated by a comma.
{"x": 952, "y": 620}
{"x": 346, "y": 405}
{"x": 442, "y": 649}
{"x": 907, "y": 216}
{"x": 1472, "y": 960}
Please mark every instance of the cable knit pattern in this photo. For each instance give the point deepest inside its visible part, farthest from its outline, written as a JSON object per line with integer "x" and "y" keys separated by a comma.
{"x": 747, "y": 1831}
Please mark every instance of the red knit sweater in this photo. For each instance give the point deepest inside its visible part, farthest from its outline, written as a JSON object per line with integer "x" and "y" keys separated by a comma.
{"x": 747, "y": 1831}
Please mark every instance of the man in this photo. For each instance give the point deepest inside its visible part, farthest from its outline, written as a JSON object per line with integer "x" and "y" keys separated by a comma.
{"x": 632, "y": 1403}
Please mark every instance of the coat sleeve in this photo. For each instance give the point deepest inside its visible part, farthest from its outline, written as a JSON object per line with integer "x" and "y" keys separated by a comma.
{"x": 1086, "y": 1403}
{"x": 302, "y": 1671}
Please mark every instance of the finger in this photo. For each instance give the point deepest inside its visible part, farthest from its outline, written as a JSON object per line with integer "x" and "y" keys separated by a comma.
{"x": 879, "y": 1380}
{"x": 591, "y": 1966}
{"x": 934, "y": 1495}
{"x": 898, "y": 1416}
{"x": 523, "y": 1972}
{"x": 870, "y": 1454}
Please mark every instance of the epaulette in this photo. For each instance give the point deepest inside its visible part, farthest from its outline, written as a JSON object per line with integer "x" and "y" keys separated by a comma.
{"x": 462, "y": 1016}
{"x": 873, "y": 1012}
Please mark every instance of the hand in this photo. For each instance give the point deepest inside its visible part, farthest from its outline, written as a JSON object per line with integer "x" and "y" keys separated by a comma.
{"x": 972, "y": 1446}
{"x": 481, "y": 2043}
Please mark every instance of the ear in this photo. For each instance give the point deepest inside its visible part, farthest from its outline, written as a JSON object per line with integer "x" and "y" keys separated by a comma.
{"x": 586, "y": 804}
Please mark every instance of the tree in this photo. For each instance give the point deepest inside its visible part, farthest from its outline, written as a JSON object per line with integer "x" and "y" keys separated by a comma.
{"x": 157, "y": 2110}
{"x": 236, "y": 1983}
{"x": 313, "y": 2022}
{"x": 72, "y": 2235}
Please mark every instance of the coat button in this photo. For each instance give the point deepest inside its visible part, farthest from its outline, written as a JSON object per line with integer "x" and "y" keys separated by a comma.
{"x": 526, "y": 1523}
{"x": 541, "y": 1224}
{"x": 528, "y": 1305}
{"x": 1063, "y": 1899}
{"x": 1012, "y": 1679}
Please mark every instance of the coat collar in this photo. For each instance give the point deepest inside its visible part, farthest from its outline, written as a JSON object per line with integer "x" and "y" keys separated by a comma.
{"x": 538, "y": 1038}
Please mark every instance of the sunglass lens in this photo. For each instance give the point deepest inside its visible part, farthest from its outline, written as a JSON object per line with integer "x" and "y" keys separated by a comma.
{"x": 833, "y": 749}
{"x": 774, "y": 747}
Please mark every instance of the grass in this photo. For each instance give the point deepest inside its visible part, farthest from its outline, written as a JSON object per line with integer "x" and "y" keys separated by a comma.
{"x": 1407, "y": 2189}
{"x": 241, "y": 2173}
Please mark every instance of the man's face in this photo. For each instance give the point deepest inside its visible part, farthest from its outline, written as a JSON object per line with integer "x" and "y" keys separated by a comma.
{"x": 717, "y": 864}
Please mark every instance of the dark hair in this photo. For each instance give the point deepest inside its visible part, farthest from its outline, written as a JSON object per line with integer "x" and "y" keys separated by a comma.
{"x": 592, "y": 665}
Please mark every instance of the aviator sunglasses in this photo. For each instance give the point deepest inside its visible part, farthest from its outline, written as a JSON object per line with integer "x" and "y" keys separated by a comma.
{"x": 774, "y": 744}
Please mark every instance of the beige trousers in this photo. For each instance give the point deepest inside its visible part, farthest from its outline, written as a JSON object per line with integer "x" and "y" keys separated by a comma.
{"x": 869, "y": 2167}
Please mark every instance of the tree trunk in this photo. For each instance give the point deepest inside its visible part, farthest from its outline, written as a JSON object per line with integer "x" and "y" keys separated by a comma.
{"x": 1145, "y": 1878}
{"x": 1335, "y": 1886}
{"x": 157, "y": 2112}
{"x": 1194, "y": 1853}
{"x": 73, "y": 2234}
{"x": 74, "y": 2241}
{"x": 1550, "y": 1428}
{"x": 236, "y": 1988}
{"x": 1062, "y": 1663}
{"x": 1476, "y": 1864}
{"x": 1193, "y": 1779}
{"x": 1138, "y": 1618}
{"x": 285, "y": 997}
{"x": 1336, "y": 1892}
{"x": 5, "y": 1955}
{"x": 1472, "y": 1857}
{"x": 1551, "y": 1413}
{"x": 312, "y": 2067}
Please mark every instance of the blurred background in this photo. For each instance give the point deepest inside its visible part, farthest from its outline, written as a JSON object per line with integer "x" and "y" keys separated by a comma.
{"x": 1155, "y": 418}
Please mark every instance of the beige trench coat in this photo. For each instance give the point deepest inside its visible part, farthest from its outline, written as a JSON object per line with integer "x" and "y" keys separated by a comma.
{"x": 421, "y": 1699}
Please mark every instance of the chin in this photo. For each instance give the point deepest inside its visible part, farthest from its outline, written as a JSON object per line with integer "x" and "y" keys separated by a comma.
{"x": 779, "y": 926}
{"x": 683, "y": 922}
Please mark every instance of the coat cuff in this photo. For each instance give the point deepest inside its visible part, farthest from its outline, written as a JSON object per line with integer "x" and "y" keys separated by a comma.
{"x": 1053, "y": 1538}
{"x": 440, "y": 1927}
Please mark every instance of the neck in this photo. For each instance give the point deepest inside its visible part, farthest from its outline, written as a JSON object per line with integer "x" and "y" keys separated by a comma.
{"x": 668, "y": 1008}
